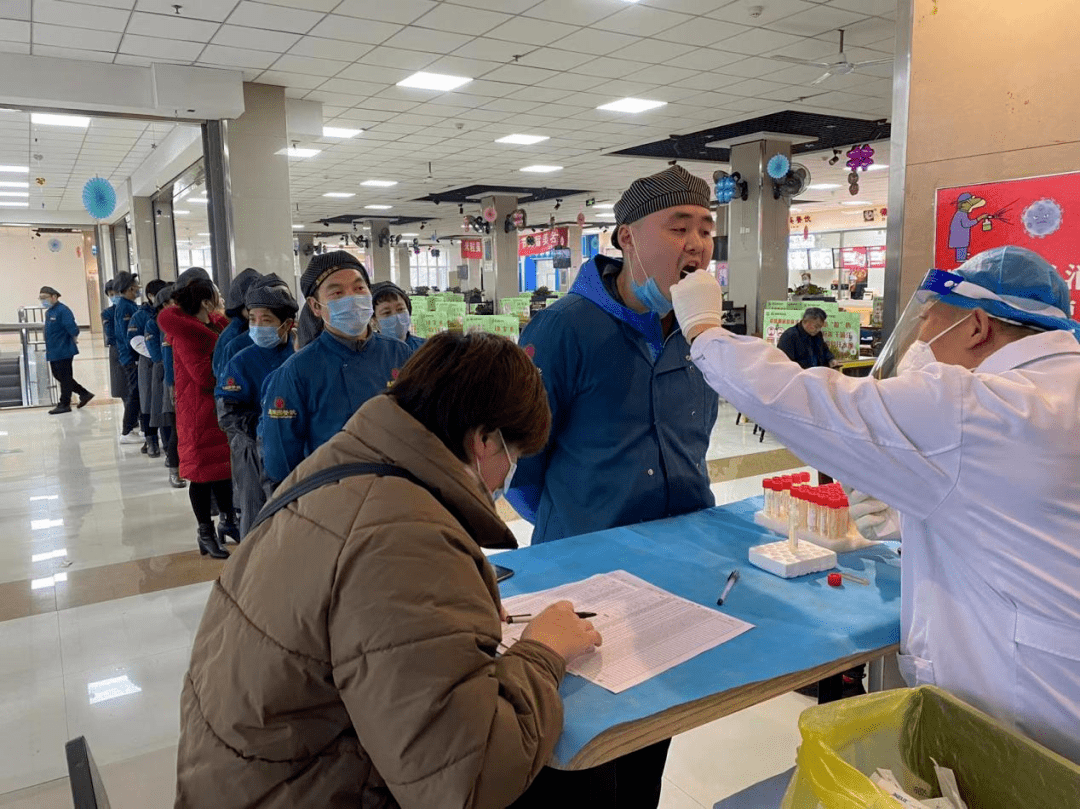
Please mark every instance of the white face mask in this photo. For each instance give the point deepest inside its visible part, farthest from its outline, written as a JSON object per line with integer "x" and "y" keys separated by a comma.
{"x": 499, "y": 492}
{"x": 920, "y": 354}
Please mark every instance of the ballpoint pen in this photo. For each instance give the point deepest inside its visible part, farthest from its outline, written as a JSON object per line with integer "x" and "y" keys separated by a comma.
{"x": 731, "y": 579}
{"x": 519, "y": 619}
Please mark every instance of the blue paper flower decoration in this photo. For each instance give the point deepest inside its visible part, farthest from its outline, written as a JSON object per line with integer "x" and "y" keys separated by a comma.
{"x": 778, "y": 166}
{"x": 98, "y": 197}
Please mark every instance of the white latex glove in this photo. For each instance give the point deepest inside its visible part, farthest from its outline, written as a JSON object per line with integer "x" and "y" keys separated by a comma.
{"x": 875, "y": 520}
{"x": 698, "y": 302}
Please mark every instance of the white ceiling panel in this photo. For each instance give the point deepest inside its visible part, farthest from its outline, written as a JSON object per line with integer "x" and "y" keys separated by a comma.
{"x": 216, "y": 10}
{"x": 758, "y": 41}
{"x": 705, "y": 59}
{"x": 310, "y": 5}
{"x": 64, "y": 52}
{"x": 533, "y": 32}
{"x": 238, "y": 36}
{"x": 582, "y": 12}
{"x": 237, "y": 57}
{"x": 274, "y": 18}
{"x": 171, "y": 27}
{"x": 425, "y": 41}
{"x": 688, "y": 6}
{"x": 702, "y": 31}
{"x": 643, "y": 21}
{"x": 740, "y": 11}
{"x": 554, "y": 59}
{"x": 392, "y": 57}
{"x": 462, "y": 21}
{"x": 153, "y": 47}
{"x": 374, "y": 73}
{"x": 322, "y": 48}
{"x": 336, "y": 26}
{"x": 596, "y": 41}
{"x": 61, "y": 36}
{"x": 752, "y": 67}
{"x": 290, "y": 63}
{"x": 15, "y": 9}
{"x": 79, "y": 15}
{"x": 299, "y": 81}
{"x": 816, "y": 21}
{"x": 495, "y": 50}
{"x": 397, "y": 11}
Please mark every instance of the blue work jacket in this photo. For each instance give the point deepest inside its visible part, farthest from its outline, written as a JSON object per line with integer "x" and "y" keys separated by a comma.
{"x": 60, "y": 333}
{"x": 125, "y": 310}
{"x": 237, "y": 326}
{"x": 137, "y": 324}
{"x": 631, "y": 417}
{"x": 152, "y": 333}
{"x": 243, "y": 377}
{"x": 235, "y": 346}
{"x": 413, "y": 342}
{"x": 311, "y": 396}
{"x": 107, "y": 318}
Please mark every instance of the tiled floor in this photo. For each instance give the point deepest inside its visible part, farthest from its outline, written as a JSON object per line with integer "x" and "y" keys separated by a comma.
{"x": 87, "y": 521}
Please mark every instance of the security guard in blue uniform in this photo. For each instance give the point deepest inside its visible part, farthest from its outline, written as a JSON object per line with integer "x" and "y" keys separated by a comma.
{"x": 126, "y": 285}
{"x": 393, "y": 313}
{"x": 238, "y": 320}
{"x": 60, "y": 349}
{"x": 311, "y": 396}
{"x": 271, "y": 312}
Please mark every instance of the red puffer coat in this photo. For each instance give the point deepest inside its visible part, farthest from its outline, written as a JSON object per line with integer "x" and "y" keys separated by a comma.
{"x": 204, "y": 449}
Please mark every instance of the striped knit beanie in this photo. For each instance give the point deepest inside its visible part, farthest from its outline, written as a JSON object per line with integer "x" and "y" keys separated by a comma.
{"x": 672, "y": 186}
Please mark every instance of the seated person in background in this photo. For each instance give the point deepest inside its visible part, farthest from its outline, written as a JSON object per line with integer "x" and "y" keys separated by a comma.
{"x": 347, "y": 656}
{"x": 271, "y": 310}
{"x": 393, "y": 312}
{"x": 804, "y": 344}
{"x": 313, "y": 394}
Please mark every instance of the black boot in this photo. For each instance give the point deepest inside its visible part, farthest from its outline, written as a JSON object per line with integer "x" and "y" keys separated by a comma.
{"x": 175, "y": 480}
{"x": 153, "y": 447}
{"x": 210, "y": 544}
{"x": 145, "y": 448}
{"x": 228, "y": 528}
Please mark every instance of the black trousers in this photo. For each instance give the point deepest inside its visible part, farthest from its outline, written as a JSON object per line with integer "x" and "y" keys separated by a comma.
{"x": 131, "y": 401}
{"x": 61, "y": 371}
{"x": 202, "y": 496}
{"x": 630, "y": 782}
{"x": 170, "y": 444}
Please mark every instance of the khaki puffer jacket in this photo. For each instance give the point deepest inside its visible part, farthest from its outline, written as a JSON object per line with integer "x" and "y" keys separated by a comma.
{"x": 346, "y": 657}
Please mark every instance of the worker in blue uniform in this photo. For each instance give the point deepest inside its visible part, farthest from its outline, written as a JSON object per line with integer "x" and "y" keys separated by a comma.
{"x": 117, "y": 377}
{"x": 393, "y": 313}
{"x": 238, "y": 319}
{"x": 61, "y": 348}
{"x": 243, "y": 341}
{"x": 136, "y": 337}
{"x": 126, "y": 286}
{"x": 311, "y": 396}
{"x": 271, "y": 312}
{"x": 631, "y": 414}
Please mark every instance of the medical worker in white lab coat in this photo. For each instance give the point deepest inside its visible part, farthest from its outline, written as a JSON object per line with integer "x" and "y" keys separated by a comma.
{"x": 976, "y": 444}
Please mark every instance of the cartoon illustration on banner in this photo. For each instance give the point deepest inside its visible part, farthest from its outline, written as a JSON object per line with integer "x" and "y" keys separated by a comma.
{"x": 1032, "y": 213}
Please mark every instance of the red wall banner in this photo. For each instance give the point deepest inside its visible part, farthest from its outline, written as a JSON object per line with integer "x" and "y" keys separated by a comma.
{"x": 1039, "y": 213}
{"x": 472, "y": 248}
{"x": 542, "y": 242}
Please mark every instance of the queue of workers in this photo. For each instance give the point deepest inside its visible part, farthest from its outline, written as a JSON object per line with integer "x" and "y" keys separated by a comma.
{"x": 347, "y": 654}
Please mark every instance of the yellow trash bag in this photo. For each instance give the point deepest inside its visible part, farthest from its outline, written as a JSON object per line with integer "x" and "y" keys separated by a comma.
{"x": 902, "y": 730}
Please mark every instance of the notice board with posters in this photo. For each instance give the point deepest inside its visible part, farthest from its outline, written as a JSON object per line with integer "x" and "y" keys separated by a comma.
{"x": 841, "y": 330}
{"x": 1039, "y": 213}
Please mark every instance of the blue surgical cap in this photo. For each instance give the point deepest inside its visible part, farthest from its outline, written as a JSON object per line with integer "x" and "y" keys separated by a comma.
{"x": 1033, "y": 292}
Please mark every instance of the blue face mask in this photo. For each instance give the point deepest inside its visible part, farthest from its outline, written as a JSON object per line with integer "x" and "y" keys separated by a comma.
{"x": 115, "y": 299}
{"x": 265, "y": 336}
{"x": 45, "y": 303}
{"x": 648, "y": 293}
{"x": 396, "y": 326}
{"x": 351, "y": 314}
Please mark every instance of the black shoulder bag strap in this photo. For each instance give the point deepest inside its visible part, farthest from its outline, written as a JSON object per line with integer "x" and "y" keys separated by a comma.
{"x": 335, "y": 474}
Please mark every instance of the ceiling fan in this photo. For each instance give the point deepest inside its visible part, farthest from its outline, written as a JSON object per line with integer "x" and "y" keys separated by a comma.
{"x": 839, "y": 68}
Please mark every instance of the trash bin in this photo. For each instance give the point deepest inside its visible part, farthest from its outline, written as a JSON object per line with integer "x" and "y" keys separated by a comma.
{"x": 901, "y": 730}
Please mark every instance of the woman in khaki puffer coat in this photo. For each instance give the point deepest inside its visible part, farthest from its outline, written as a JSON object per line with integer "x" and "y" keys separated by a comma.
{"x": 346, "y": 657}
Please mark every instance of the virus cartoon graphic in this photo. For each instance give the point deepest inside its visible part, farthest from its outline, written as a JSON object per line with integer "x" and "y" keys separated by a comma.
{"x": 1042, "y": 217}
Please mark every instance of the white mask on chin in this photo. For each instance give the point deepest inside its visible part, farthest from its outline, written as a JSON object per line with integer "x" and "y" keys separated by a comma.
{"x": 920, "y": 354}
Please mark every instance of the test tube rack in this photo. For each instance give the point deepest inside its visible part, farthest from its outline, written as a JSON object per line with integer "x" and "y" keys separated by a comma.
{"x": 780, "y": 559}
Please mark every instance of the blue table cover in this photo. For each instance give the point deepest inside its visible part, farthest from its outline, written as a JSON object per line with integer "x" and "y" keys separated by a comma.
{"x": 798, "y": 623}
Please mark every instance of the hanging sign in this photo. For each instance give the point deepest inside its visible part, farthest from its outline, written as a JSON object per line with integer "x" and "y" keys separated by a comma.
{"x": 472, "y": 248}
{"x": 542, "y": 242}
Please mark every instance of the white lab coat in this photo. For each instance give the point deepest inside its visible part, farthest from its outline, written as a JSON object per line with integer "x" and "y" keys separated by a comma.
{"x": 984, "y": 468}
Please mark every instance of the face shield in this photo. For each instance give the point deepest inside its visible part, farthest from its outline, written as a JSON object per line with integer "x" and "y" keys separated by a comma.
{"x": 941, "y": 286}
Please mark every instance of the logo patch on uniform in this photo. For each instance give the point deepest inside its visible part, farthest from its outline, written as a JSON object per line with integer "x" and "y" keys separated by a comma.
{"x": 279, "y": 411}
{"x": 394, "y": 374}
{"x": 230, "y": 385}
{"x": 530, "y": 350}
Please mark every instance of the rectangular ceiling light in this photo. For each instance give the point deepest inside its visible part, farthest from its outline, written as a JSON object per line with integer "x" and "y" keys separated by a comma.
{"x": 379, "y": 183}
{"x": 607, "y": 205}
{"x": 339, "y": 194}
{"x": 523, "y": 140}
{"x": 409, "y": 235}
{"x": 180, "y": 213}
{"x": 23, "y": 194}
{"x": 823, "y": 186}
{"x": 878, "y": 167}
{"x": 378, "y": 207}
{"x": 49, "y": 119}
{"x": 340, "y": 132}
{"x": 297, "y": 227}
{"x": 5, "y": 204}
{"x": 14, "y": 185}
{"x": 860, "y": 204}
{"x": 15, "y": 169}
{"x": 631, "y": 105}
{"x": 434, "y": 81}
{"x": 197, "y": 201}
{"x": 294, "y": 151}
{"x": 542, "y": 169}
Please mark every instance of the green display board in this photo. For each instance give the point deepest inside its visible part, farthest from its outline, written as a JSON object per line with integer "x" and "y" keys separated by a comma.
{"x": 841, "y": 330}
{"x": 455, "y": 311}
{"x": 428, "y": 324}
{"x": 504, "y": 325}
{"x": 515, "y": 306}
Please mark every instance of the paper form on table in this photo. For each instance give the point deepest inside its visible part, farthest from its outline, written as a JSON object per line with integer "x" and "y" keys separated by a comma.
{"x": 646, "y": 630}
